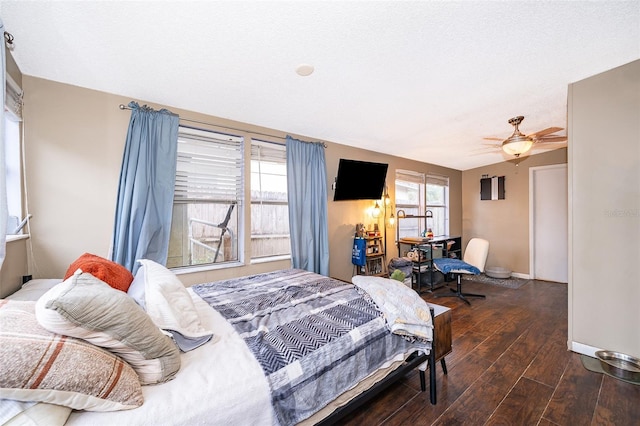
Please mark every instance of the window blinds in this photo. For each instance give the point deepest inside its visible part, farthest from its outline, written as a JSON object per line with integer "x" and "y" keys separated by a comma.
{"x": 437, "y": 180}
{"x": 209, "y": 167}
{"x": 268, "y": 151}
{"x": 13, "y": 99}
{"x": 420, "y": 178}
{"x": 410, "y": 176}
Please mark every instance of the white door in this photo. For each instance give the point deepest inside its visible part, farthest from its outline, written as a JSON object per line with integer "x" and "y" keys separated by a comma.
{"x": 548, "y": 221}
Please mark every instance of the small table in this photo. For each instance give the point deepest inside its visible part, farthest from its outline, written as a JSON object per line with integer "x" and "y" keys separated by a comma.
{"x": 442, "y": 331}
{"x": 441, "y": 345}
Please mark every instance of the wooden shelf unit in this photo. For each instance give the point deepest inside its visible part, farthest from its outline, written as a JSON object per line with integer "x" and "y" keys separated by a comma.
{"x": 375, "y": 262}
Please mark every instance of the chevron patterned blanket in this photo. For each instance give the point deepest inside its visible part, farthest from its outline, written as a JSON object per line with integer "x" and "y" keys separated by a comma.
{"x": 315, "y": 337}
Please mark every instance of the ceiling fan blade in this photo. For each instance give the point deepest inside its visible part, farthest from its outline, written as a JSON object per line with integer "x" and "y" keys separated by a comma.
{"x": 482, "y": 152}
{"x": 493, "y": 139}
{"x": 552, "y": 139}
{"x": 547, "y": 131}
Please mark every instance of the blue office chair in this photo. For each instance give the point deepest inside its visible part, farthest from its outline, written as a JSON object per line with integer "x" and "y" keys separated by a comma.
{"x": 474, "y": 259}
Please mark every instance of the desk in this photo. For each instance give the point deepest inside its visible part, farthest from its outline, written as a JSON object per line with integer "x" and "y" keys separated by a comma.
{"x": 441, "y": 246}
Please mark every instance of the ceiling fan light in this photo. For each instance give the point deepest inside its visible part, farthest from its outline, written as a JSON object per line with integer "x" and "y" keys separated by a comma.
{"x": 517, "y": 144}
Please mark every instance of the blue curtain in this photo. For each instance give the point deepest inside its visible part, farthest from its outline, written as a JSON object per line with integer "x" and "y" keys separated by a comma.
{"x": 145, "y": 195}
{"x": 307, "y": 192}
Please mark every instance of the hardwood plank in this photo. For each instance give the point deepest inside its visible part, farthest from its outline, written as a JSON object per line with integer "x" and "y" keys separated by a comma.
{"x": 420, "y": 411}
{"x": 469, "y": 331}
{"x": 506, "y": 371}
{"x": 467, "y": 320}
{"x": 494, "y": 346}
{"x": 389, "y": 402}
{"x": 574, "y": 400}
{"x": 474, "y": 406}
{"x": 463, "y": 345}
{"x": 509, "y": 362}
{"x": 618, "y": 403}
{"x": 524, "y": 404}
{"x": 551, "y": 361}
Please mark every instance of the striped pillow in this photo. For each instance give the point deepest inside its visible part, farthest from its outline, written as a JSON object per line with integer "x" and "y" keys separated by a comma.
{"x": 37, "y": 365}
{"x": 86, "y": 308}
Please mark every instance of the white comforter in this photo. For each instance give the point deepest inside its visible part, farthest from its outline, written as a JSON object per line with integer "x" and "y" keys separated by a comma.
{"x": 220, "y": 383}
{"x": 405, "y": 313}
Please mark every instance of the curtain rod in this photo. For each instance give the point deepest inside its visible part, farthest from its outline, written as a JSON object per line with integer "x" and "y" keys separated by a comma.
{"x": 123, "y": 107}
{"x": 8, "y": 40}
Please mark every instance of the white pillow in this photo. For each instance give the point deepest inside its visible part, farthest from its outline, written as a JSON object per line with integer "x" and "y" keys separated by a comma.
{"x": 87, "y": 308}
{"x": 169, "y": 305}
{"x": 32, "y": 413}
{"x": 136, "y": 289}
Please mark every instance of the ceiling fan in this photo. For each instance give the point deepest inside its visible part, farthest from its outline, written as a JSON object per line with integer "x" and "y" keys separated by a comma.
{"x": 518, "y": 144}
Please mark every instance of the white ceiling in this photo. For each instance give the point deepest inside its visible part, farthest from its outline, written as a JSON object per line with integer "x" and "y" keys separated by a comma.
{"x": 423, "y": 80}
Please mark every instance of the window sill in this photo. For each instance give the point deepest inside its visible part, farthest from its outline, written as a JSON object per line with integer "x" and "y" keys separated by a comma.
{"x": 213, "y": 266}
{"x": 204, "y": 268}
{"x": 17, "y": 237}
{"x": 270, "y": 259}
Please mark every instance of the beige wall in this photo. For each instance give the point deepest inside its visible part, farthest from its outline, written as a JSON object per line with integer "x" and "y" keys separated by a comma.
{"x": 604, "y": 211}
{"x": 73, "y": 146}
{"x": 14, "y": 267}
{"x": 74, "y": 142}
{"x": 343, "y": 215}
{"x": 504, "y": 223}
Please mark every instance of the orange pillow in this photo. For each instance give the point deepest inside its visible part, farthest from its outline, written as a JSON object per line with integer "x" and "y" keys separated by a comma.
{"x": 112, "y": 273}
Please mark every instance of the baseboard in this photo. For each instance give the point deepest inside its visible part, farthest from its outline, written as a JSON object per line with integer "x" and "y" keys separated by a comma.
{"x": 519, "y": 275}
{"x": 583, "y": 349}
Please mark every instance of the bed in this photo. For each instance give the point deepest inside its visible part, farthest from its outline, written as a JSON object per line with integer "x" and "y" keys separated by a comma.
{"x": 255, "y": 372}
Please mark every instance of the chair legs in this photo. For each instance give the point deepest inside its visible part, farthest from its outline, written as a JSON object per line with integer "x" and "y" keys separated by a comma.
{"x": 444, "y": 366}
{"x": 458, "y": 291}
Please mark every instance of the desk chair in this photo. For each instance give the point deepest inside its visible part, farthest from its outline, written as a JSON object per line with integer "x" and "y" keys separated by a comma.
{"x": 475, "y": 256}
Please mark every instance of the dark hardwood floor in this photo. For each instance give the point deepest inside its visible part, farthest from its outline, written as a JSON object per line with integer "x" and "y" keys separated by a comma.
{"x": 509, "y": 366}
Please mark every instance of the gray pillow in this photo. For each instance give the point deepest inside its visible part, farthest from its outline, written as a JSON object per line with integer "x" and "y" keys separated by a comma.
{"x": 87, "y": 308}
{"x": 41, "y": 366}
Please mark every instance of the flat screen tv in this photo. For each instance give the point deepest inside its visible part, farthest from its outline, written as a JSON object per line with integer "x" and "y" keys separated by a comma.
{"x": 359, "y": 180}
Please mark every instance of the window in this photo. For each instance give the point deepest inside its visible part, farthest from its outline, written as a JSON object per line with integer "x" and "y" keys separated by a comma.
{"x": 410, "y": 198}
{"x": 207, "y": 225}
{"x": 12, "y": 119}
{"x": 438, "y": 204}
{"x": 422, "y": 195}
{"x": 269, "y": 206}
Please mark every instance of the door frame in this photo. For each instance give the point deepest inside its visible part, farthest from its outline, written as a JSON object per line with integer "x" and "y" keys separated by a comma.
{"x": 532, "y": 253}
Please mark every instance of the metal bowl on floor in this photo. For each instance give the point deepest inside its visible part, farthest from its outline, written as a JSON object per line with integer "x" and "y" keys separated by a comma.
{"x": 497, "y": 272}
{"x": 620, "y": 365}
